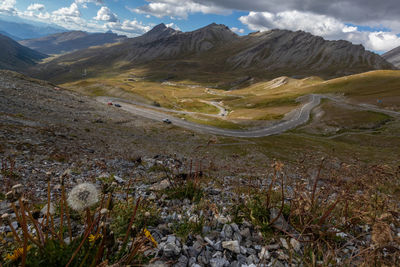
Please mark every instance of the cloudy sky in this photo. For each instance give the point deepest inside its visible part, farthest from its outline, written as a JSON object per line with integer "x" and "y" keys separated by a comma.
{"x": 373, "y": 23}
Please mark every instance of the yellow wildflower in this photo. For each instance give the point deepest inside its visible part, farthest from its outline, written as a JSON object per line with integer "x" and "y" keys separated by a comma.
{"x": 93, "y": 238}
{"x": 17, "y": 253}
{"x": 150, "y": 237}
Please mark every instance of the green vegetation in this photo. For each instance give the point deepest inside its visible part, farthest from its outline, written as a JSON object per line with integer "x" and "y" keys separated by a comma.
{"x": 190, "y": 190}
{"x": 186, "y": 227}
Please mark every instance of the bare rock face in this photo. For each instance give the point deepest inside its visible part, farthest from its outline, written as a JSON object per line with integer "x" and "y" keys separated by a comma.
{"x": 393, "y": 56}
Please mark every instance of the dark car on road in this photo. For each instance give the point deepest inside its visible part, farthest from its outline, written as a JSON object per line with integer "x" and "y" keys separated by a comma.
{"x": 167, "y": 121}
{"x": 117, "y": 105}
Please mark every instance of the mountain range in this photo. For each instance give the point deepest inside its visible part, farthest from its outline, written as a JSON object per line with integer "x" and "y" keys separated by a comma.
{"x": 216, "y": 49}
{"x": 393, "y": 56}
{"x": 21, "y": 30}
{"x": 69, "y": 41}
{"x": 14, "y": 56}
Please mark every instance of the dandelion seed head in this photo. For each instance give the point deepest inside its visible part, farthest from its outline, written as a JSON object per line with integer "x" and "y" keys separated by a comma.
{"x": 83, "y": 196}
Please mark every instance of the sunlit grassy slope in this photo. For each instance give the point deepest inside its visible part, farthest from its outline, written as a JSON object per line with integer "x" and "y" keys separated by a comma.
{"x": 257, "y": 101}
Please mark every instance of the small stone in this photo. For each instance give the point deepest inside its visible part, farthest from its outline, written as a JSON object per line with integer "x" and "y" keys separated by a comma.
{"x": 219, "y": 262}
{"x": 264, "y": 254}
{"x": 273, "y": 247}
{"x": 276, "y": 263}
{"x": 232, "y": 246}
{"x": 282, "y": 255}
{"x": 237, "y": 236}
{"x": 204, "y": 257}
{"x": 182, "y": 261}
{"x": 227, "y": 231}
{"x": 257, "y": 247}
{"x": 206, "y": 230}
{"x": 245, "y": 233}
{"x": 209, "y": 241}
{"x": 194, "y": 219}
{"x": 192, "y": 261}
{"x": 218, "y": 246}
{"x": 222, "y": 219}
{"x": 152, "y": 196}
{"x": 252, "y": 259}
{"x": 251, "y": 251}
{"x": 284, "y": 243}
{"x": 295, "y": 245}
{"x": 164, "y": 184}
{"x": 171, "y": 239}
{"x": 241, "y": 259}
{"x": 119, "y": 179}
{"x": 235, "y": 227}
{"x": 217, "y": 254}
{"x": 171, "y": 250}
{"x": 195, "y": 250}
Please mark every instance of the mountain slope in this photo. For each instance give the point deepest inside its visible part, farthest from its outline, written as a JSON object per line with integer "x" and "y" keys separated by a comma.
{"x": 14, "y": 56}
{"x": 215, "y": 49}
{"x": 286, "y": 50}
{"x": 70, "y": 41}
{"x": 23, "y": 30}
{"x": 393, "y": 56}
{"x": 15, "y": 38}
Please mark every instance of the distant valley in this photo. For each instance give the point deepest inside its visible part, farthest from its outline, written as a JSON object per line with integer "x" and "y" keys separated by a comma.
{"x": 60, "y": 43}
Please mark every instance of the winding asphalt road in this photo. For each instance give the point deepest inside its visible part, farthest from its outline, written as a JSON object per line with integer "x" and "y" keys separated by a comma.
{"x": 301, "y": 116}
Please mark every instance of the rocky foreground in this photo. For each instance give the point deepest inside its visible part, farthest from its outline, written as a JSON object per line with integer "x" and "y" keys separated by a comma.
{"x": 216, "y": 222}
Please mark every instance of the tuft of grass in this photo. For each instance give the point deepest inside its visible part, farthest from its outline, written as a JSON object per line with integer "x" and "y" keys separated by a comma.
{"x": 185, "y": 228}
{"x": 187, "y": 190}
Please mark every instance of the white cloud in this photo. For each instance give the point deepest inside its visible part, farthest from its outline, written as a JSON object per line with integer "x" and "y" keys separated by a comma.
{"x": 71, "y": 11}
{"x": 173, "y": 26}
{"x": 321, "y": 25}
{"x": 382, "y": 41}
{"x": 177, "y": 9}
{"x": 8, "y": 6}
{"x": 105, "y": 14}
{"x": 237, "y": 30}
{"x": 36, "y": 7}
{"x": 84, "y": 2}
{"x": 129, "y": 27}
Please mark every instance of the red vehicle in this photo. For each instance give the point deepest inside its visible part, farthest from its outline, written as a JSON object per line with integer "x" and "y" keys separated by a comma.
{"x": 109, "y": 103}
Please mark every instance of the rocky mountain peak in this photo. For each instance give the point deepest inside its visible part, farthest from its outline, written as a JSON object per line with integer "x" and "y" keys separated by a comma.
{"x": 158, "y": 32}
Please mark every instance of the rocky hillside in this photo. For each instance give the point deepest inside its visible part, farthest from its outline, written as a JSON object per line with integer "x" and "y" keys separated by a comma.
{"x": 215, "y": 48}
{"x": 69, "y": 41}
{"x": 14, "y": 56}
{"x": 295, "y": 51}
{"x": 190, "y": 209}
{"x": 393, "y": 56}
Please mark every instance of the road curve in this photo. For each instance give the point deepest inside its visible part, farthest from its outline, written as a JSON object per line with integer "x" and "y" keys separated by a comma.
{"x": 302, "y": 116}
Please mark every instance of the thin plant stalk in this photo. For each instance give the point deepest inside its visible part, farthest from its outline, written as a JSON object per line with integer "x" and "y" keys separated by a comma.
{"x": 25, "y": 232}
{"x": 48, "y": 206}
{"x": 61, "y": 213}
{"x": 131, "y": 221}
{"x": 67, "y": 214}
{"x": 35, "y": 224}
{"x": 87, "y": 232}
{"x": 15, "y": 233}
